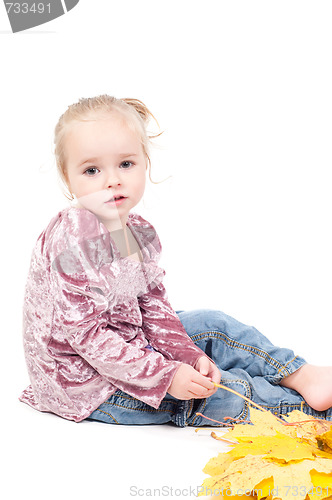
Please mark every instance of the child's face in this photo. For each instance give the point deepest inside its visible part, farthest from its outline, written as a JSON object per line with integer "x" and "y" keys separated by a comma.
{"x": 105, "y": 158}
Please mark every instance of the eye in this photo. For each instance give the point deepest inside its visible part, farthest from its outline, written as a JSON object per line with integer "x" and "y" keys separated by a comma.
{"x": 126, "y": 164}
{"x": 90, "y": 172}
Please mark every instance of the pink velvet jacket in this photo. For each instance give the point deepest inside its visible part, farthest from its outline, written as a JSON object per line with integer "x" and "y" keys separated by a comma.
{"x": 89, "y": 315}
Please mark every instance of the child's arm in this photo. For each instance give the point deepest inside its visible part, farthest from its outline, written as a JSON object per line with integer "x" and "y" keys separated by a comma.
{"x": 160, "y": 322}
{"x": 167, "y": 335}
{"x": 101, "y": 325}
{"x": 164, "y": 329}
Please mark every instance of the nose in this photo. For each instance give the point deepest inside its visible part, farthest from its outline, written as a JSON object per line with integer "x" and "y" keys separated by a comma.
{"x": 112, "y": 178}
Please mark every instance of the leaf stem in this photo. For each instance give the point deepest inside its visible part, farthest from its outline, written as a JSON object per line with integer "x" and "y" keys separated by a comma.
{"x": 213, "y": 420}
{"x": 246, "y": 399}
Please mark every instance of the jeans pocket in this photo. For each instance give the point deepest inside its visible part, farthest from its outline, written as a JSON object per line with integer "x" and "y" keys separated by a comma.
{"x": 223, "y": 404}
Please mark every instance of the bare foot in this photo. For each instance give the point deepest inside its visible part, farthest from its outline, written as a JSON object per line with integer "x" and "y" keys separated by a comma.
{"x": 314, "y": 383}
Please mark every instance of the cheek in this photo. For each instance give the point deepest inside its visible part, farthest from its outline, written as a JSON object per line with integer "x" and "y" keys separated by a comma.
{"x": 80, "y": 185}
{"x": 141, "y": 187}
{"x": 138, "y": 181}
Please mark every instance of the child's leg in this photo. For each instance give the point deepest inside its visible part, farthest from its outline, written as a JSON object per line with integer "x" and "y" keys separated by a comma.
{"x": 249, "y": 363}
{"x": 123, "y": 409}
{"x": 233, "y": 345}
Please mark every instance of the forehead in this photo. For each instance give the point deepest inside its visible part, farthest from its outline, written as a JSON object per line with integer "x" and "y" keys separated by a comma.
{"x": 111, "y": 122}
{"x": 102, "y": 131}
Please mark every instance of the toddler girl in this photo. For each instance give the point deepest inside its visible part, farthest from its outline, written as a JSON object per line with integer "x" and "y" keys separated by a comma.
{"x": 101, "y": 339}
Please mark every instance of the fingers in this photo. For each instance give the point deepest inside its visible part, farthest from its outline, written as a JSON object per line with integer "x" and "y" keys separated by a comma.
{"x": 201, "y": 387}
{"x": 203, "y": 365}
{"x": 202, "y": 380}
{"x": 215, "y": 375}
{"x": 199, "y": 393}
{"x": 208, "y": 369}
{"x": 189, "y": 382}
{"x": 207, "y": 374}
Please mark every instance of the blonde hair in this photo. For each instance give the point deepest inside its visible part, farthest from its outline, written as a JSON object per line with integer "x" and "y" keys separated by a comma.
{"x": 134, "y": 110}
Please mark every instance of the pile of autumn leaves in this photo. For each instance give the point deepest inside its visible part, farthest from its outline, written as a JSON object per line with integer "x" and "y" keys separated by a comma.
{"x": 272, "y": 460}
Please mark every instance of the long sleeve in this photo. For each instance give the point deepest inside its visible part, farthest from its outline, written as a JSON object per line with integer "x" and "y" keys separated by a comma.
{"x": 99, "y": 340}
{"x": 164, "y": 329}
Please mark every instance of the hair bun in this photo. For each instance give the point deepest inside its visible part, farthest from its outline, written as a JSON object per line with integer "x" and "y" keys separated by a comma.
{"x": 140, "y": 108}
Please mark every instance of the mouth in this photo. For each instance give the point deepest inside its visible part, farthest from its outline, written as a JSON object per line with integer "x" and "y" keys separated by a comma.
{"x": 116, "y": 200}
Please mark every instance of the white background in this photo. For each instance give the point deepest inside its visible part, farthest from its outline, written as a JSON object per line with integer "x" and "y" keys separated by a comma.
{"x": 242, "y": 90}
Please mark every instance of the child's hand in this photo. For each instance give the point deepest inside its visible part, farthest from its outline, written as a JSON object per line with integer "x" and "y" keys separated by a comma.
{"x": 205, "y": 367}
{"x": 188, "y": 383}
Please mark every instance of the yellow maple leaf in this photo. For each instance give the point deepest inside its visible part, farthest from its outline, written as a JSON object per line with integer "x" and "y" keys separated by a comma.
{"x": 240, "y": 476}
{"x": 264, "y": 489}
{"x": 280, "y": 447}
{"x": 217, "y": 465}
{"x": 322, "y": 485}
{"x": 264, "y": 424}
{"x": 292, "y": 480}
{"x": 307, "y": 427}
{"x": 274, "y": 460}
{"x": 310, "y": 431}
{"x": 325, "y": 441}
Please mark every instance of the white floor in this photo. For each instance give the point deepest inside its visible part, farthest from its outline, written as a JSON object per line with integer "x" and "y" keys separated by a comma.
{"x": 52, "y": 458}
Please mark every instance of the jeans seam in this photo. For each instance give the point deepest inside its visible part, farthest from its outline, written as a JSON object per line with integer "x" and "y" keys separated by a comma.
{"x": 284, "y": 367}
{"x": 196, "y": 416}
{"x": 130, "y": 398}
{"x": 288, "y": 405}
{"x": 138, "y": 409}
{"x": 106, "y": 413}
{"x": 189, "y": 410}
{"x": 244, "y": 347}
{"x": 285, "y": 408}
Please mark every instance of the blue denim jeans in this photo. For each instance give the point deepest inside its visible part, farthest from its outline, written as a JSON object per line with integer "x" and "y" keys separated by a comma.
{"x": 249, "y": 364}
